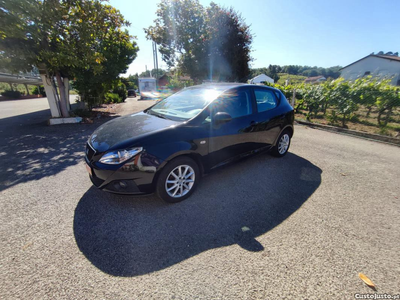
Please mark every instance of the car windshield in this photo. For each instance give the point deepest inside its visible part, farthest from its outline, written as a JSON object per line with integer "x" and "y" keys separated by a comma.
{"x": 186, "y": 104}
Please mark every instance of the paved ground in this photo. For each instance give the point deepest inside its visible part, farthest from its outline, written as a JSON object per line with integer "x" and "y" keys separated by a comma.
{"x": 301, "y": 227}
{"x": 25, "y": 112}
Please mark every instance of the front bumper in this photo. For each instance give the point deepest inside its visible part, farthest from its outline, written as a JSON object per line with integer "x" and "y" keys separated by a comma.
{"x": 134, "y": 177}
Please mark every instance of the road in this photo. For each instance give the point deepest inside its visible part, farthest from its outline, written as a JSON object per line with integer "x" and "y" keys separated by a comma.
{"x": 26, "y": 111}
{"x": 300, "y": 227}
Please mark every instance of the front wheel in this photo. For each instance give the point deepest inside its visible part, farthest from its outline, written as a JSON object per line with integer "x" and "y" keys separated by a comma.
{"x": 178, "y": 180}
{"x": 282, "y": 145}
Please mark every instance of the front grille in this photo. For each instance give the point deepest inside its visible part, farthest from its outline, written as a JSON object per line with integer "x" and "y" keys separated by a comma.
{"x": 90, "y": 152}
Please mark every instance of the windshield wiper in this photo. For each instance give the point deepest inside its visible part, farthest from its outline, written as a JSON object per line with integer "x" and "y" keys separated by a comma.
{"x": 150, "y": 112}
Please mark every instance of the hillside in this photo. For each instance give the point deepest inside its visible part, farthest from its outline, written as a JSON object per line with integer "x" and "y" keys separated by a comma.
{"x": 293, "y": 79}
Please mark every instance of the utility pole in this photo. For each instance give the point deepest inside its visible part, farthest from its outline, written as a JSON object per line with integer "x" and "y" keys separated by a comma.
{"x": 155, "y": 60}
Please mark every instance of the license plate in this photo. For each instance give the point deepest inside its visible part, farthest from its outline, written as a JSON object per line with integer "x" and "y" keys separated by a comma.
{"x": 89, "y": 169}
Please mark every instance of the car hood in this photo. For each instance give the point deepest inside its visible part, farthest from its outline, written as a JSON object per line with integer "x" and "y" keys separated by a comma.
{"x": 126, "y": 130}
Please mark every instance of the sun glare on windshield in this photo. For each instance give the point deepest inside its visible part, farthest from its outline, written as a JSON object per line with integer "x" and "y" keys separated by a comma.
{"x": 210, "y": 95}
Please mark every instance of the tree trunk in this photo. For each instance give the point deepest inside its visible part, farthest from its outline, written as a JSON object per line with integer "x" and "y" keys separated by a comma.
{"x": 51, "y": 95}
{"x": 344, "y": 120}
{"x": 11, "y": 87}
{"x": 379, "y": 116}
{"x": 369, "y": 110}
{"x": 388, "y": 114}
{"x": 325, "y": 107}
{"x": 66, "y": 86}
{"x": 27, "y": 90}
{"x": 63, "y": 100}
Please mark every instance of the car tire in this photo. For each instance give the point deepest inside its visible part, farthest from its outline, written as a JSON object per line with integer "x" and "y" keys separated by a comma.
{"x": 282, "y": 144}
{"x": 179, "y": 187}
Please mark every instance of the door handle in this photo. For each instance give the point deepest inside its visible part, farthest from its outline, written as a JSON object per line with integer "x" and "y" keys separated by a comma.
{"x": 252, "y": 126}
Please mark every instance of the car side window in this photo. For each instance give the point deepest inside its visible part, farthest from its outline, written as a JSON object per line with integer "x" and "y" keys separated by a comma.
{"x": 265, "y": 99}
{"x": 235, "y": 103}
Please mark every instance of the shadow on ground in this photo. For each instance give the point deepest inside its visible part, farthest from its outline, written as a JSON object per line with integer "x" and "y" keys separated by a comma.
{"x": 130, "y": 236}
{"x": 31, "y": 150}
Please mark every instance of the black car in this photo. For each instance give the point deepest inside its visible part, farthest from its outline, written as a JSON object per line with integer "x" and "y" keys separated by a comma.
{"x": 131, "y": 93}
{"x": 169, "y": 146}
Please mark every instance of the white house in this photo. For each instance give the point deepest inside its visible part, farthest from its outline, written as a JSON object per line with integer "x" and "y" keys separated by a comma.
{"x": 261, "y": 79}
{"x": 377, "y": 65}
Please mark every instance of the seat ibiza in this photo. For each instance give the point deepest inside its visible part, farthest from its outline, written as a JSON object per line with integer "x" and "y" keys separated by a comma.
{"x": 168, "y": 147}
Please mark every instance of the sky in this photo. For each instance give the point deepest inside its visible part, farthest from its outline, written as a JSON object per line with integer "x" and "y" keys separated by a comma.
{"x": 291, "y": 32}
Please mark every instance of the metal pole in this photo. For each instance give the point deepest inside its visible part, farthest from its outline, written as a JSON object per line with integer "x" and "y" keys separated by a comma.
{"x": 294, "y": 97}
{"x": 154, "y": 58}
{"x": 155, "y": 62}
{"x": 155, "y": 48}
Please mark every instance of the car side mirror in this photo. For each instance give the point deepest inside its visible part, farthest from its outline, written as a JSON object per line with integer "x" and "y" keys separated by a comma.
{"x": 221, "y": 118}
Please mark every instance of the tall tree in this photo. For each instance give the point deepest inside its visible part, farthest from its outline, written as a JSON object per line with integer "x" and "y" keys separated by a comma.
{"x": 229, "y": 43}
{"x": 180, "y": 32}
{"x": 202, "y": 41}
{"x": 64, "y": 39}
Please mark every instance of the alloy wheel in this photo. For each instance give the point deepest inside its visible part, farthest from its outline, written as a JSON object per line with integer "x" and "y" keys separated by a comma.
{"x": 180, "y": 181}
{"x": 283, "y": 144}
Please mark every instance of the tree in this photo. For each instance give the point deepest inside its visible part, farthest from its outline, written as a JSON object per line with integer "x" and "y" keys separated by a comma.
{"x": 272, "y": 71}
{"x": 157, "y": 73}
{"x": 113, "y": 49}
{"x": 65, "y": 39}
{"x": 229, "y": 43}
{"x": 180, "y": 32}
{"x": 202, "y": 42}
{"x": 131, "y": 81}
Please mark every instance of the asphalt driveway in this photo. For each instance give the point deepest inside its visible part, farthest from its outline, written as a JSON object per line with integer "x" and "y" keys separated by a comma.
{"x": 298, "y": 227}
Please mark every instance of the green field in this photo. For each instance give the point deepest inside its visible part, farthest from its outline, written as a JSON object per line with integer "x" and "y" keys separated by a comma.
{"x": 293, "y": 79}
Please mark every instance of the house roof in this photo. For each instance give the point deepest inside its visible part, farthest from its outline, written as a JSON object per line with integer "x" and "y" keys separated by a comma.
{"x": 390, "y": 57}
{"x": 261, "y": 75}
{"x": 313, "y": 78}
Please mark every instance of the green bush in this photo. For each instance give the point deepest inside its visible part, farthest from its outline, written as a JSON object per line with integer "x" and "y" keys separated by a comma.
{"x": 112, "y": 98}
{"x": 120, "y": 89}
{"x": 39, "y": 91}
{"x": 11, "y": 94}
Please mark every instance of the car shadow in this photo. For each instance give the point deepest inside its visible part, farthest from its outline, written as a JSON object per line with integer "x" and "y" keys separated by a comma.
{"x": 131, "y": 236}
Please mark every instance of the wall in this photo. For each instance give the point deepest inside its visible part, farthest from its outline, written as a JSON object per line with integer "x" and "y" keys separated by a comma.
{"x": 379, "y": 67}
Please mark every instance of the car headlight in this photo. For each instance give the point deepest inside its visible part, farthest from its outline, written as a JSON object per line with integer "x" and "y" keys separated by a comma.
{"x": 119, "y": 156}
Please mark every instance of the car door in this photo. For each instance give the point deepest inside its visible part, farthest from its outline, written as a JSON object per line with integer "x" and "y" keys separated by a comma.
{"x": 235, "y": 137}
{"x": 268, "y": 120}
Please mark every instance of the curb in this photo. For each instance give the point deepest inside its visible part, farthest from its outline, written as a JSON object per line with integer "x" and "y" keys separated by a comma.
{"x": 58, "y": 121}
{"x": 369, "y": 136}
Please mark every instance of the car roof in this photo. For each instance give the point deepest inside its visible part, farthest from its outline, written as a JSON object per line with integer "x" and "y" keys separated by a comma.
{"x": 223, "y": 86}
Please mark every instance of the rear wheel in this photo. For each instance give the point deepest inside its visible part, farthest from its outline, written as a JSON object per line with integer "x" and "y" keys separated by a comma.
{"x": 178, "y": 180}
{"x": 282, "y": 145}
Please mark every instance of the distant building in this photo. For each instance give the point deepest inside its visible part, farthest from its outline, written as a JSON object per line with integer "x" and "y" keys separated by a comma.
{"x": 262, "y": 78}
{"x": 163, "y": 80}
{"x": 377, "y": 65}
{"x": 315, "y": 79}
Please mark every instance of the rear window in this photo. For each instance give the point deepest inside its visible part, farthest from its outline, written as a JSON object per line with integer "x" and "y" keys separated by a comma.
{"x": 266, "y": 99}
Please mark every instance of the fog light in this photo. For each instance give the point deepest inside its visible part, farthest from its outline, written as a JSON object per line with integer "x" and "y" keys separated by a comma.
{"x": 123, "y": 184}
